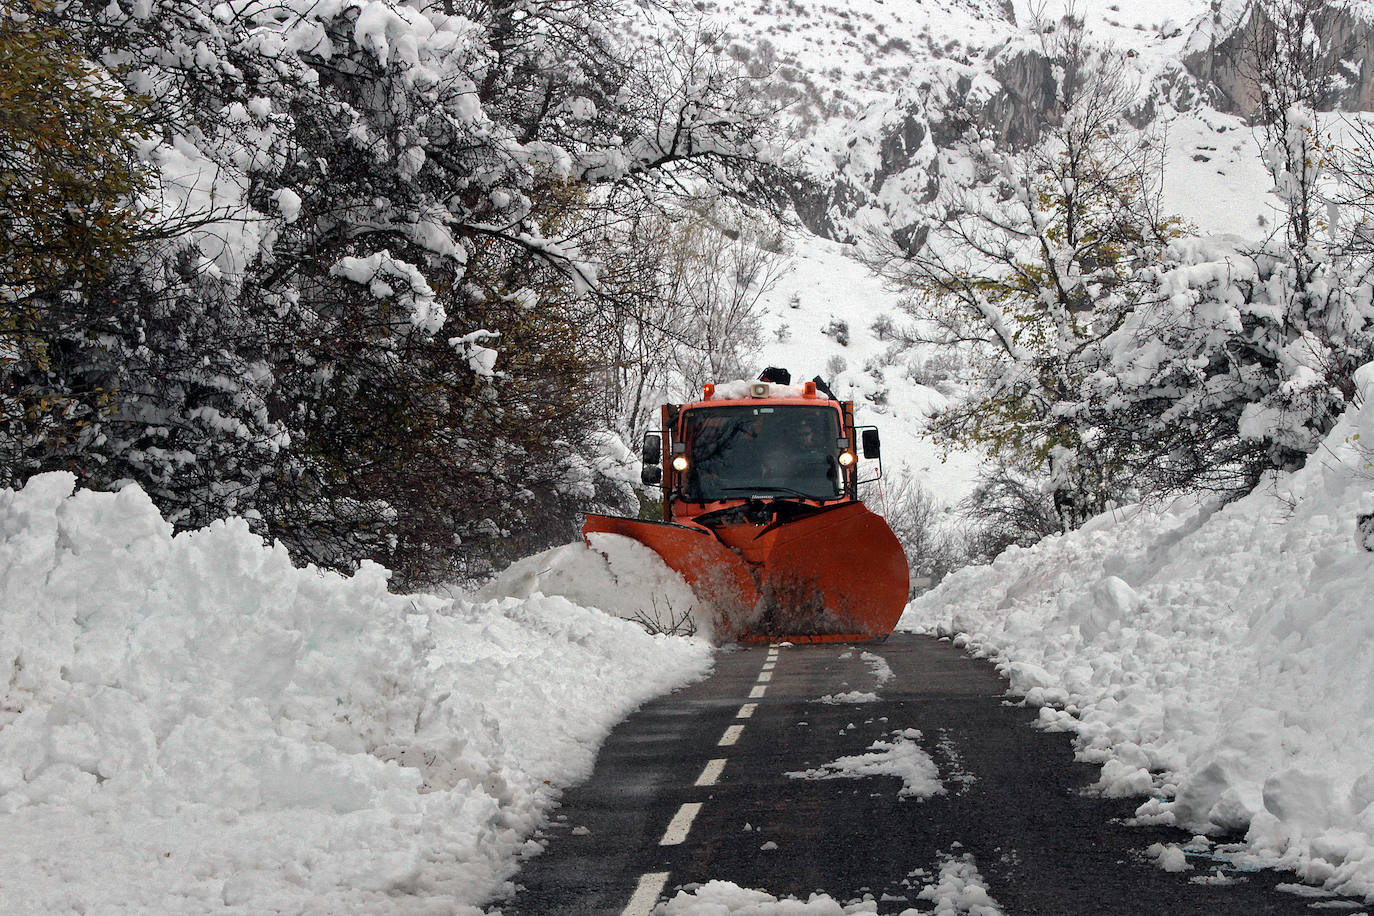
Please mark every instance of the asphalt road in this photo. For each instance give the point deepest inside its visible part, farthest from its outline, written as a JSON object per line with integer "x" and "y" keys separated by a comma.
{"x": 694, "y": 787}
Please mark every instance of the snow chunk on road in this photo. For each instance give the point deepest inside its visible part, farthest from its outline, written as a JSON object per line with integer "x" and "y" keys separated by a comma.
{"x": 901, "y": 757}
{"x": 959, "y": 891}
{"x": 190, "y": 723}
{"x": 849, "y": 696}
{"x": 878, "y": 666}
{"x": 722, "y": 898}
{"x": 1168, "y": 856}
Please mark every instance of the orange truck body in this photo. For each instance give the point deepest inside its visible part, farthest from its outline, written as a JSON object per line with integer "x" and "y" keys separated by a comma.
{"x": 777, "y": 541}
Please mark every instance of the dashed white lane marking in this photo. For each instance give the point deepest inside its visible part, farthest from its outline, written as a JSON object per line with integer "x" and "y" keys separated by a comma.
{"x": 758, "y": 692}
{"x": 680, "y": 825}
{"x": 746, "y": 710}
{"x": 646, "y": 894}
{"x": 731, "y": 735}
{"x": 768, "y": 666}
{"x": 765, "y": 676}
{"x": 709, "y": 775}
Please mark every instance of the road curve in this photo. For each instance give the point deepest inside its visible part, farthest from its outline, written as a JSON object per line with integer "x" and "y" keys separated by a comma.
{"x": 696, "y": 787}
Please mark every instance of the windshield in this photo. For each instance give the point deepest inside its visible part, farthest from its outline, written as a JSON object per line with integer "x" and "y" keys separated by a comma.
{"x": 738, "y": 452}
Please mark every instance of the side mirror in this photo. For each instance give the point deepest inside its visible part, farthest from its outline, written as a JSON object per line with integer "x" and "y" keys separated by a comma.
{"x": 870, "y": 441}
{"x": 651, "y": 474}
{"x": 652, "y": 450}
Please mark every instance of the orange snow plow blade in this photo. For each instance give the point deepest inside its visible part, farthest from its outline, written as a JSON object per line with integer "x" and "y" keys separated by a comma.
{"x": 837, "y": 575}
{"x": 715, "y": 574}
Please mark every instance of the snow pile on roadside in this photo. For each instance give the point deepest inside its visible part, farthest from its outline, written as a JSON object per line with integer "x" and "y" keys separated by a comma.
{"x": 1223, "y": 659}
{"x": 617, "y": 575}
{"x": 190, "y": 723}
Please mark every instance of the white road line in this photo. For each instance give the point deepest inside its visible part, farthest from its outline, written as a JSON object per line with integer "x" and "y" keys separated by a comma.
{"x": 758, "y": 692}
{"x": 731, "y": 736}
{"x": 646, "y": 894}
{"x": 709, "y": 775}
{"x": 768, "y": 666}
{"x": 746, "y": 710}
{"x": 681, "y": 823}
{"x": 765, "y": 676}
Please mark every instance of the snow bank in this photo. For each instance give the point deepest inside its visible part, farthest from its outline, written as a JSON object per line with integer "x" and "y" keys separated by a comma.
{"x": 189, "y": 723}
{"x": 614, "y": 574}
{"x": 1220, "y": 659}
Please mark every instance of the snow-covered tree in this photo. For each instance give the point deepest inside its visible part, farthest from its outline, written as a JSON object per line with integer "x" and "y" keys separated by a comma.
{"x": 69, "y": 180}
{"x": 1246, "y": 358}
{"x": 363, "y": 325}
{"x": 1037, "y": 260}
{"x": 1321, "y": 337}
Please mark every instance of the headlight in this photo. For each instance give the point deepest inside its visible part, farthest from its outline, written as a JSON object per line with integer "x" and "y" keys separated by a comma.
{"x": 680, "y": 463}
{"x": 846, "y": 458}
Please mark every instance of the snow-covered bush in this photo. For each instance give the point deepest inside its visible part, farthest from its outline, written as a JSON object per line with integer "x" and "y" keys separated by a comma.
{"x": 932, "y": 541}
{"x": 837, "y": 330}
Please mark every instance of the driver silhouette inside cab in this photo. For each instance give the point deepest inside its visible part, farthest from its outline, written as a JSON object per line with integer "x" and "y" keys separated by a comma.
{"x": 798, "y": 458}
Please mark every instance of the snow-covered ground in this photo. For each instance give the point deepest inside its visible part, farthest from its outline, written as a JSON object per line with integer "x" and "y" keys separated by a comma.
{"x": 1220, "y": 661}
{"x": 189, "y": 724}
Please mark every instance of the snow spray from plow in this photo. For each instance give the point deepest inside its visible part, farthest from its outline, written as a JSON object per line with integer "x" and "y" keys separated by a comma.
{"x": 762, "y": 515}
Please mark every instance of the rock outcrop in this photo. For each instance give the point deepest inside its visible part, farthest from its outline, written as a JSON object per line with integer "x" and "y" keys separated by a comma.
{"x": 889, "y": 171}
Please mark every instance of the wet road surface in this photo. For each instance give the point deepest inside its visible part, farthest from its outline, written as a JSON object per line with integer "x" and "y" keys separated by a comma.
{"x": 695, "y": 787}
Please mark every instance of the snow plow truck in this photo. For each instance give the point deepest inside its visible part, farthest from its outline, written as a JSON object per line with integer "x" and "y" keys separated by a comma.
{"x": 762, "y": 515}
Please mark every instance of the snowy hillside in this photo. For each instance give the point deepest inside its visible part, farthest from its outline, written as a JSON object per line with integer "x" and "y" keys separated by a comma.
{"x": 190, "y": 724}
{"x": 879, "y": 94}
{"x": 1220, "y": 661}
{"x": 827, "y": 288}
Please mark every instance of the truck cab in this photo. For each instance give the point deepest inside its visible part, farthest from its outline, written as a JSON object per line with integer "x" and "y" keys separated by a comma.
{"x": 762, "y": 514}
